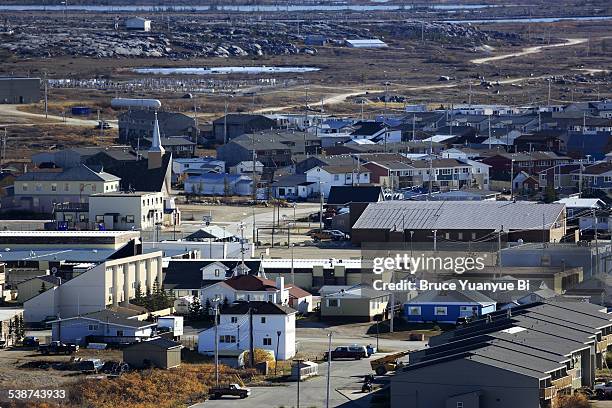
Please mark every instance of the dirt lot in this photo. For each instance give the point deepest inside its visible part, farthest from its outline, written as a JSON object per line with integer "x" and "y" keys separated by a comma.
{"x": 17, "y": 368}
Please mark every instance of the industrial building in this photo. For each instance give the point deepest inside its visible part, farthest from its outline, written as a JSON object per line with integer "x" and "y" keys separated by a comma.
{"x": 367, "y": 43}
{"x": 138, "y": 24}
{"x": 20, "y": 90}
{"x": 523, "y": 358}
{"x": 466, "y": 221}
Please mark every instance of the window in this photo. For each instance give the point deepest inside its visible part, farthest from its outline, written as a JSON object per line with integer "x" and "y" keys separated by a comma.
{"x": 459, "y": 404}
{"x": 440, "y": 311}
{"x": 333, "y": 303}
{"x": 119, "y": 333}
{"x": 110, "y": 290}
{"x": 473, "y": 235}
{"x": 460, "y": 235}
{"x": 93, "y": 187}
{"x": 66, "y": 187}
{"x": 53, "y": 187}
{"x": 24, "y": 187}
{"x": 234, "y": 319}
{"x": 217, "y": 272}
{"x": 267, "y": 341}
{"x": 227, "y": 339}
{"x": 129, "y": 219}
{"x": 263, "y": 320}
{"x": 93, "y": 327}
{"x": 99, "y": 218}
{"x": 414, "y": 310}
{"x": 447, "y": 235}
{"x": 336, "y": 177}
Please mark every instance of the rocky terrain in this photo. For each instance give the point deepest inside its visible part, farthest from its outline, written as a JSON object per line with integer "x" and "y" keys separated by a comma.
{"x": 183, "y": 38}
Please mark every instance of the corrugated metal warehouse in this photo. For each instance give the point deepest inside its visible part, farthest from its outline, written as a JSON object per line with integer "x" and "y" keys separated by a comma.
{"x": 462, "y": 221}
{"x": 19, "y": 90}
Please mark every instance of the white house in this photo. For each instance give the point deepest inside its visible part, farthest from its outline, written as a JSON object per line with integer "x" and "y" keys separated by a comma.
{"x": 337, "y": 176}
{"x": 138, "y": 24}
{"x": 255, "y": 288}
{"x": 247, "y": 288}
{"x": 273, "y": 329}
{"x": 127, "y": 210}
{"x": 246, "y": 167}
{"x": 181, "y": 167}
{"x": 103, "y": 326}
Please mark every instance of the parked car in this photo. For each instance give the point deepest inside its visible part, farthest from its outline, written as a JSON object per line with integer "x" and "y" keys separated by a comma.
{"x": 337, "y": 235}
{"x": 103, "y": 125}
{"x": 91, "y": 365}
{"x": 354, "y": 352}
{"x": 30, "y": 341}
{"x": 57, "y": 347}
{"x": 232, "y": 389}
{"x": 319, "y": 235}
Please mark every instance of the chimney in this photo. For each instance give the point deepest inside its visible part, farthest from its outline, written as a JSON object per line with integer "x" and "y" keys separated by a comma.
{"x": 280, "y": 283}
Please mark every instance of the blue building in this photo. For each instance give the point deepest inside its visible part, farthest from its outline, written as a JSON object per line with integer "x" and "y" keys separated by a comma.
{"x": 103, "y": 326}
{"x": 447, "y": 306}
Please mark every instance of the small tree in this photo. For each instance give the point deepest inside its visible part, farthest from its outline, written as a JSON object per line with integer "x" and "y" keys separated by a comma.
{"x": 206, "y": 309}
{"x": 138, "y": 296}
{"x": 195, "y": 309}
{"x": 226, "y": 187}
{"x": 20, "y": 328}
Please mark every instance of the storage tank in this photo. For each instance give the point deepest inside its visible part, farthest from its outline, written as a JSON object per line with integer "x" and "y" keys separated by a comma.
{"x": 81, "y": 110}
{"x": 181, "y": 305}
{"x": 135, "y": 103}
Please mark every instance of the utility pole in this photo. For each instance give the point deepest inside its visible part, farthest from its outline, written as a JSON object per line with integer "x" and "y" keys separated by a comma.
{"x": 511, "y": 179}
{"x": 392, "y": 310}
{"x": 292, "y": 269}
{"x": 217, "y": 343}
{"x": 549, "y": 86}
{"x": 596, "y": 244}
{"x": 321, "y": 206}
{"x": 435, "y": 240}
{"x": 225, "y": 122}
{"x": 299, "y": 378}
{"x": 470, "y": 95}
{"x": 46, "y": 97}
{"x": 329, "y": 360}
{"x": 241, "y": 226}
{"x": 4, "y": 147}
{"x": 251, "y": 342}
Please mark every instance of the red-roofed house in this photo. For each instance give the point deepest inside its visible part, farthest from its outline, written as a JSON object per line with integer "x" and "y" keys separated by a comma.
{"x": 255, "y": 288}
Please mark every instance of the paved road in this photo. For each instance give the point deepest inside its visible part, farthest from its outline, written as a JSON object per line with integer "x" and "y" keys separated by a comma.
{"x": 346, "y": 377}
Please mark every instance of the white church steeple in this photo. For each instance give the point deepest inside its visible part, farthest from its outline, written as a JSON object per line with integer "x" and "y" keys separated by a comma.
{"x": 156, "y": 152}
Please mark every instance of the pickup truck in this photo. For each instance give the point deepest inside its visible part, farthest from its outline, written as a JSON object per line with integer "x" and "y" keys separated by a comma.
{"x": 57, "y": 347}
{"x": 603, "y": 390}
{"x": 354, "y": 352}
{"x": 232, "y": 389}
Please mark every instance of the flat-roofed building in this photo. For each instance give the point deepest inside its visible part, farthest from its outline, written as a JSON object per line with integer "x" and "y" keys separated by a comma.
{"x": 19, "y": 90}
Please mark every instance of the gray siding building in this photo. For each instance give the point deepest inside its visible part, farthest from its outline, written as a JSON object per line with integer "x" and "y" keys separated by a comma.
{"x": 19, "y": 90}
{"x": 525, "y": 358}
{"x": 138, "y": 124}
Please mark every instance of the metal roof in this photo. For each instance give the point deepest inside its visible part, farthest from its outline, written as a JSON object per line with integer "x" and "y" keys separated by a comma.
{"x": 468, "y": 215}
